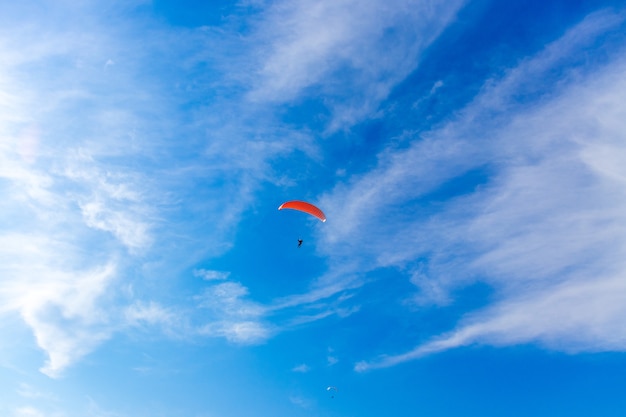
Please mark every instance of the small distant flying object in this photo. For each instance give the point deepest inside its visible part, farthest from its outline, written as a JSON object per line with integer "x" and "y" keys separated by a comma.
{"x": 304, "y": 207}
{"x": 332, "y": 389}
{"x": 300, "y": 242}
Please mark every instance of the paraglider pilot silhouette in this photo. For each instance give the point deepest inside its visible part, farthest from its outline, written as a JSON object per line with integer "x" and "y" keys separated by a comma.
{"x": 299, "y": 242}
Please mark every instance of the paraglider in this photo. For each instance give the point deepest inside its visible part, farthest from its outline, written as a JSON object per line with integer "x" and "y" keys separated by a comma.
{"x": 304, "y": 207}
{"x": 329, "y": 389}
{"x": 300, "y": 242}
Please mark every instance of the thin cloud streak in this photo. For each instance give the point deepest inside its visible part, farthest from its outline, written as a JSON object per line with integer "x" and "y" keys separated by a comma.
{"x": 226, "y": 310}
{"x": 577, "y": 316}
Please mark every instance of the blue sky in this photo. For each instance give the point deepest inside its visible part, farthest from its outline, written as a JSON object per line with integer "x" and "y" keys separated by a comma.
{"x": 469, "y": 155}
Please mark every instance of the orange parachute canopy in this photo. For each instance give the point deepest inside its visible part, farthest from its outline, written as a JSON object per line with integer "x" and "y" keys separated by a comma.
{"x": 304, "y": 207}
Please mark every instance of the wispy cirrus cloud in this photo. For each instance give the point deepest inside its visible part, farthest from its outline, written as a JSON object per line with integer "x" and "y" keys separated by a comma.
{"x": 579, "y": 315}
{"x": 76, "y": 204}
{"x": 352, "y": 53}
{"x": 49, "y": 278}
{"x": 227, "y": 309}
{"x": 544, "y": 224}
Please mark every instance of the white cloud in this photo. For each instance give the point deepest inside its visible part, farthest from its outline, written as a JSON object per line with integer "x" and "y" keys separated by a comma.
{"x": 96, "y": 165}
{"x": 29, "y": 392}
{"x": 100, "y": 159}
{"x": 336, "y": 47}
{"x": 60, "y": 304}
{"x": 474, "y": 139}
{"x": 28, "y": 412}
{"x": 66, "y": 330}
{"x": 233, "y": 316}
{"x": 302, "y": 368}
{"x": 211, "y": 275}
{"x": 546, "y": 229}
{"x": 230, "y": 313}
{"x": 95, "y": 410}
{"x": 239, "y": 331}
{"x": 130, "y": 232}
{"x": 47, "y": 275}
{"x": 577, "y": 315}
{"x": 151, "y": 314}
{"x": 63, "y": 125}
{"x": 300, "y": 401}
